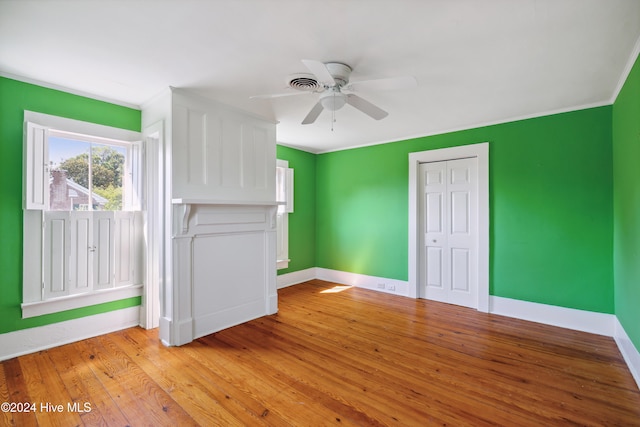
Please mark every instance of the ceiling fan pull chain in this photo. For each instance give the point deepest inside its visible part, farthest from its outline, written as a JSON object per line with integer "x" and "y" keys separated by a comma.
{"x": 333, "y": 111}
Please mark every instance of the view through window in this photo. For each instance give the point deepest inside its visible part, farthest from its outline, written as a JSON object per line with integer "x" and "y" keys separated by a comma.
{"x": 85, "y": 176}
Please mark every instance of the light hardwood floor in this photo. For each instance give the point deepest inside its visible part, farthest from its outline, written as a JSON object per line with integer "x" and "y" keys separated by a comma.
{"x": 333, "y": 357}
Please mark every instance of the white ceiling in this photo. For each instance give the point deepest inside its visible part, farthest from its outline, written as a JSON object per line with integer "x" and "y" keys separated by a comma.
{"x": 476, "y": 62}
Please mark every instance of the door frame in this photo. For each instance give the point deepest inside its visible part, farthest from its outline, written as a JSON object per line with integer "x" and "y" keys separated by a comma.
{"x": 153, "y": 207}
{"x": 481, "y": 152}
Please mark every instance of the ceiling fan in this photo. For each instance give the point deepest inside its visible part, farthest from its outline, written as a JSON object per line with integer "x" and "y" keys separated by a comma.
{"x": 331, "y": 81}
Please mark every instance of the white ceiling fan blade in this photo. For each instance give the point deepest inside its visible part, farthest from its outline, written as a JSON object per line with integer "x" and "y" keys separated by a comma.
{"x": 320, "y": 71}
{"x": 366, "y": 107}
{"x": 279, "y": 95}
{"x": 392, "y": 83}
{"x": 313, "y": 114}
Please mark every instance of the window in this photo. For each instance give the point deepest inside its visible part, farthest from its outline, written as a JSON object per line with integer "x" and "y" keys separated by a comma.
{"x": 82, "y": 214}
{"x": 284, "y": 196}
{"x": 84, "y": 175}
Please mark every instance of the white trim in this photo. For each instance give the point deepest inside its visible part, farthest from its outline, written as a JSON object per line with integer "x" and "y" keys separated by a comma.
{"x": 25, "y": 341}
{"x": 282, "y": 218}
{"x": 627, "y": 70}
{"x": 83, "y": 128}
{"x": 568, "y": 318}
{"x": 391, "y": 286}
{"x": 481, "y": 152}
{"x": 68, "y": 90}
{"x": 39, "y": 308}
{"x": 282, "y": 263}
{"x": 295, "y": 277}
{"x": 629, "y": 352}
{"x": 153, "y": 205}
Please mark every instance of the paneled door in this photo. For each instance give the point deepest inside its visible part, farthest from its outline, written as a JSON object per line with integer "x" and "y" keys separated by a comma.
{"x": 448, "y": 231}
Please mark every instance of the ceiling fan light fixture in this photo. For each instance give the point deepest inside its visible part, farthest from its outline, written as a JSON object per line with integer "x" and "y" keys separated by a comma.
{"x": 333, "y": 100}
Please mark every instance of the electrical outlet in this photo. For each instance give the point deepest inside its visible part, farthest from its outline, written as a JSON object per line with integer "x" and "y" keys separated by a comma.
{"x": 391, "y": 287}
{"x": 380, "y": 285}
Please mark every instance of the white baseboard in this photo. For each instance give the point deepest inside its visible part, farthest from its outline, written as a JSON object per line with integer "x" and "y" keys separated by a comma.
{"x": 569, "y": 318}
{"x": 381, "y": 284}
{"x": 296, "y": 277}
{"x": 629, "y": 352}
{"x": 25, "y": 341}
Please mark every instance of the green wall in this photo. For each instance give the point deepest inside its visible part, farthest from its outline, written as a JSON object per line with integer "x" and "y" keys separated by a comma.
{"x": 302, "y": 222}
{"x": 626, "y": 204}
{"x": 551, "y": 222}
{"x": 552, "y": 204}
{"x": 15, "y": 97}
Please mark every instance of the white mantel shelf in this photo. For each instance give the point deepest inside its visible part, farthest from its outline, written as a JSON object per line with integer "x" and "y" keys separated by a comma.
{"x": 184, "y": 207}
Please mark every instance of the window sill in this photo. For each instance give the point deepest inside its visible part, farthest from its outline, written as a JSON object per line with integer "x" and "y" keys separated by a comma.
{"x": 39, "y": 308}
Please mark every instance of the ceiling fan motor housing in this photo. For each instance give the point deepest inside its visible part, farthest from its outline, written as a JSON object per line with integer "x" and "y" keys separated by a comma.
{"x": 339, "y": 71}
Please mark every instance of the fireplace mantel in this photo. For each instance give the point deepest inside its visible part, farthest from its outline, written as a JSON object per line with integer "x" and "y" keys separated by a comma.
{"x": 185, "y": 207}
{"x": 216, "y": 175}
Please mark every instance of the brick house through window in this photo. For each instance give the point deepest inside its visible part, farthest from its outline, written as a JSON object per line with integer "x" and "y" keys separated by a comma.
{"x": 67, "y": 195}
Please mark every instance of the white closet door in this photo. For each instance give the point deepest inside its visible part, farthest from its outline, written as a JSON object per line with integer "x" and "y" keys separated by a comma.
{"x": 449, "y": 267}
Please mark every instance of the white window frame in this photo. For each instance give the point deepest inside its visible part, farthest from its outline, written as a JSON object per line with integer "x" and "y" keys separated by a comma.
{"x": 284, "y": 197}
{"x": 117, "y": 226}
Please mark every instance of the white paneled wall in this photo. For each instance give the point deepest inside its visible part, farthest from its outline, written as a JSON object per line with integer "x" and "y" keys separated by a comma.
{"x": 219, "y": 238}
{"x": 220, "y": 153}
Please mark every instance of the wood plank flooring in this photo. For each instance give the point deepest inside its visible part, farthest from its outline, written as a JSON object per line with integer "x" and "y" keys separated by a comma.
{"x": 333, "y": 356}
